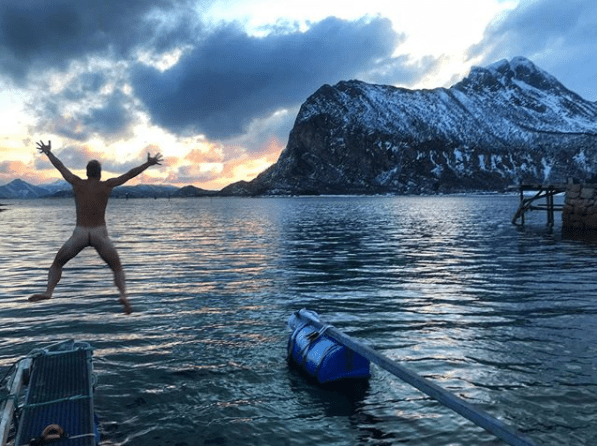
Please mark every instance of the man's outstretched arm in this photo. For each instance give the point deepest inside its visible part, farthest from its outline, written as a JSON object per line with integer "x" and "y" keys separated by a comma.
{"x": 47, "y": 149}
{"x": 119, "y": 181}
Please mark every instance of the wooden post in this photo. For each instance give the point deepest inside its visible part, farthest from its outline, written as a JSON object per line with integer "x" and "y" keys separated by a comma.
{"x": 550, "y": 214}
{"x": 521, "y": 203}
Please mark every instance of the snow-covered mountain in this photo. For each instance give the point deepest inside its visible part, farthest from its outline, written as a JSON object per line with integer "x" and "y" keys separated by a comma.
{"x": 508, "y": 123}
{"x": 21, "y": 189}
{"x": 56, "y": 186}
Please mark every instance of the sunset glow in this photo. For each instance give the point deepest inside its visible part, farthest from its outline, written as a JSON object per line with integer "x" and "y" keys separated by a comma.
{"x": 216, "y": 86}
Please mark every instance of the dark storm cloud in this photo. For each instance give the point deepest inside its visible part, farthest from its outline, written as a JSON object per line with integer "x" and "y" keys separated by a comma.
{"x": 84, "y": 85}
{"x": 560, "y": 37}
{"x": 111, "y": 119}
{"x": 225, "y": 79}
{"x": 42, "y": 34}
{"x": 230, "y": 77}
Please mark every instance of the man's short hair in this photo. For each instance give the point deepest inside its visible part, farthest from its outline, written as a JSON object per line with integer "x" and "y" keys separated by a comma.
{"x": 94, "y": 169}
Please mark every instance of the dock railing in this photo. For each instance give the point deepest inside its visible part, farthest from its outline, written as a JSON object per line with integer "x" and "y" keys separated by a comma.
{"x": 530, "y": 202}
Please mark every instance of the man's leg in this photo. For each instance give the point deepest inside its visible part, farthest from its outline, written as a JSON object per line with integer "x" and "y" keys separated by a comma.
{"x": 120, "y": 284}
{"x": 73, "y": 246}
{"x": 102, "y": 244}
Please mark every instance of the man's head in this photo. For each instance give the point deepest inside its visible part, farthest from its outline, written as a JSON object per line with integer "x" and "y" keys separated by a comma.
{"x": 94, "y": 169}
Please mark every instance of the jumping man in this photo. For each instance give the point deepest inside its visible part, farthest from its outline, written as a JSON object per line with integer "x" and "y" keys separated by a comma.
{"x": 91, "y": 199}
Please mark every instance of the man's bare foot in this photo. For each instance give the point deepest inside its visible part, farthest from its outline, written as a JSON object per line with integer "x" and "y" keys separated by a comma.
{"x": 127, "y": 306}
{"x": 38, "y": 297}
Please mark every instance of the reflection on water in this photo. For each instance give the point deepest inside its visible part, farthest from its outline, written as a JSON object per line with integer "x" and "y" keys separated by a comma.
{"x": 504, "y": 317}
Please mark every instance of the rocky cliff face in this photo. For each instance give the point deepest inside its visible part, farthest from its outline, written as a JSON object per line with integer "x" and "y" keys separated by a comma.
{"x": 507, "y": 123}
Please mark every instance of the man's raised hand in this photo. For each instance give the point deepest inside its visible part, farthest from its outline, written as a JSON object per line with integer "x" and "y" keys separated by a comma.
{"x": 152, "y": 160}
{"x": 44, "y": 148}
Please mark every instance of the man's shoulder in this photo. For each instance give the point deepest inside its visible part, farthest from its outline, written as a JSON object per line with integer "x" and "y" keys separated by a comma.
{"x": 110, "y": 183}
{"x": 91, "y": 185}
{"x": 76, "y": 181}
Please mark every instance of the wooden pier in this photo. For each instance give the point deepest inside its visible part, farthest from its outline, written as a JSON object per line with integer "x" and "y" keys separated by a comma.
{"x": 529, "y": 202}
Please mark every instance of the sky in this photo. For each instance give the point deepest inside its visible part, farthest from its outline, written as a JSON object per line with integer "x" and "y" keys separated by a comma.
{"x": 215, "y": 85}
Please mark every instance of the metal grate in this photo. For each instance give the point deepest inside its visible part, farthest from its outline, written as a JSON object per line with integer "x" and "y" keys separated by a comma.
{"x": 60, "y": 392}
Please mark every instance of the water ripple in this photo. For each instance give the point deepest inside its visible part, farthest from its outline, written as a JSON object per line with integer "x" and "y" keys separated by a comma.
{"x": 504, "y": 317}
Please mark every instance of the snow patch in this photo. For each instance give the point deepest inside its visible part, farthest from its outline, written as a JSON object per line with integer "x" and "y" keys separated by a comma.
{"x": 458, "y": 155}
{"x": 385, "y": 178}
{"x": 546, "y": 169}
{"x": 580, "y": 158}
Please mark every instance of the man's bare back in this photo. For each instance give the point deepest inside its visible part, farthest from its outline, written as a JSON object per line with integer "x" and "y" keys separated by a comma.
{"x": 91, "y": 199}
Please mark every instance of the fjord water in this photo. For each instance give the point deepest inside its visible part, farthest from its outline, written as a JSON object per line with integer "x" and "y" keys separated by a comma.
{"x": 504, "y": 317}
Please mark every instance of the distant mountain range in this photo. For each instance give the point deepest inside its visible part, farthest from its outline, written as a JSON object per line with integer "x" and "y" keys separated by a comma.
{"x": 507, "y": 123}
{"x": 21, "y": 189}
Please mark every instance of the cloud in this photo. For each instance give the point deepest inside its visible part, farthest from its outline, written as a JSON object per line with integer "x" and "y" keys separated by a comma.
{"x": 111, "y": 119}
{"x": 216, "y": 165}
{"x": 9, "y": 170}
{"x": 38, "y": 35}
{"x": 12, "y": 167}
{"x": 196, "y": 156}
{"x": 230, "y": 78}
{"x": 88, "y": 100}
{"x": 193, "y": 173}
{"x": 401, "y": 70}
{"x": 73, "y": 157}
{"x": 558, "y": 36}
{"x": 78, "y": 58}
{"x": 258, "y": 134}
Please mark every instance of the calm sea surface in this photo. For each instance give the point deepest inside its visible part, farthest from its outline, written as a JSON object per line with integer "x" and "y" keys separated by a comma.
{"x": 504, "y": 317}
